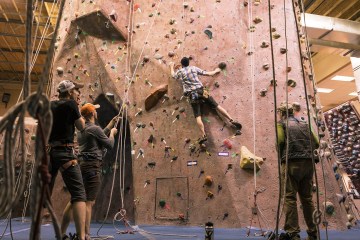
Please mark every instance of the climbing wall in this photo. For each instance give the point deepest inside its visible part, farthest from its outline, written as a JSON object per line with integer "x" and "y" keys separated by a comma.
{"x": 125, "y": 47}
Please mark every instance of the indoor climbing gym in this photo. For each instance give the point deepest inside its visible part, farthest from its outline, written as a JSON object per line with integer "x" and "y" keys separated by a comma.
{"x": 180, "y": 119}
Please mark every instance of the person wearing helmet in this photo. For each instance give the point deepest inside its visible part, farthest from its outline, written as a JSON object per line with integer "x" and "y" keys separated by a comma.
{"x": 92, "y": 141}
{"x": 296, "y": 145}
{"x": 66, "y": 117}
{"x": 194, "y": 89}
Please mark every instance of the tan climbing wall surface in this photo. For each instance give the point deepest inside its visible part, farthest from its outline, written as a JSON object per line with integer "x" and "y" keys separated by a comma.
{"x": 133, "y": 64}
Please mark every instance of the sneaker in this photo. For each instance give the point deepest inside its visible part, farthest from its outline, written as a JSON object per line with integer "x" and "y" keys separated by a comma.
{"x": 236, "y": 124}
{"x": 202, "y": 140}
{"x": 289, "y": 236}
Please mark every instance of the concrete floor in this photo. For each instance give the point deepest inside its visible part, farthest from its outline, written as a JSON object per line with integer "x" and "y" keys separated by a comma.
{"x": 21, "y": 231}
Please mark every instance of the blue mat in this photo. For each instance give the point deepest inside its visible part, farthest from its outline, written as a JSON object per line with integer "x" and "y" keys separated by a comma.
{"x": 21, "y": 231}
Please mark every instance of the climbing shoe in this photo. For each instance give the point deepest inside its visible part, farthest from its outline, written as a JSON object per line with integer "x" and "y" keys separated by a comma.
{"x": 65, "y": 237}
{"x": 236, "y": 124}
{"x": 202, "y": 140}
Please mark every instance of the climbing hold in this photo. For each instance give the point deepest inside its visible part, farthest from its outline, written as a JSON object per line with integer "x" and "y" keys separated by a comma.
{"x": 151, "y": 15}
{"x": 264, "y": 44}
{"x": 291, "y": 83}
{"x": 247, "y": 159}
{"x": 171, "y": 54}
{"x": 337, "y": 176}
{"x": 162, "y": 203}
{"x": 166, "y": 97}
{"x": 158, "y": 56}
{"x": 173, "y": 31}
{"x": 222, "y": 65}
{"x": 56, "y": 45}
{"x": 172, "y": 21}
{"x": 208, "y": 33}
{"x": 137, "y": 7}
{"x": 139, "y": 112}
{"x": 60, "y": 71}
{"x": 216, "y": 84}
{"x": 335, "y": 167}
{"x": 252, "y": 28}
{"x": 350, "y": 217}
{"x": 151, "y": 164}
{"x": 348, "y": 225}
{"x": 266, "y": 66}
{"x": 257, "y": 20}
{"x": 263, "y": 92}
{"x": 296, "y": 106}
{"x": 146, "y": 59}
{"x": 225, "y": 215}
{"x": 273, "y": 82}
{"x": 192, "y": 9}
{"x": 227, "y": 143}
{"x": 208, "y": 181}
{"x": 181, "y": 216}
{"x": 341, "y": 198}
{"x": 283, "y": 50}
{"x": 209, "y": 195}
{"x": 113, "y": 15}
{"x": 257, "y": 2}
{"x": 288, "y": 69}
{"x": 329, "y": 207}
{"x": 147, "y": 182}
{"x": 185, "y": 4}
{"x": 154, "y": 97}
{"x": 276, "y": 35}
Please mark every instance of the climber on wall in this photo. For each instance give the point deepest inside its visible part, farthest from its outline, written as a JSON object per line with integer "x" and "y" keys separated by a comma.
{"x": 66, "y": 117}
{"x": 299, "y": 169}
{"x": 91, "y": 142}
{"x": 196, "y": 93}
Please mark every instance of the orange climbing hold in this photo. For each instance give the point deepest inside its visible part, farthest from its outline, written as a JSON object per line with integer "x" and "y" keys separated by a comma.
{"x": 136, "y": 7}
{"x": 208, "y": 181}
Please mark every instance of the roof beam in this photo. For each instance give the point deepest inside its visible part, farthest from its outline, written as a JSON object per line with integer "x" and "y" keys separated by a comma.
{"x": 15, "y": 50}
{"x": 17, "y": 72}
{"x": 19, "y": 63}
{"x": 20, "y": 36}
{"x": 16, "y": 21}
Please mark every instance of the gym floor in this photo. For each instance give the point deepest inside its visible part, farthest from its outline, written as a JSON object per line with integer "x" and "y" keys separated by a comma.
{"x": 21, "y": 230}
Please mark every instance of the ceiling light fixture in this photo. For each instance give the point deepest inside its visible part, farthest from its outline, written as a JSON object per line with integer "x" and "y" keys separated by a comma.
{"x": 343, "y": 78}
{"x": 325, "y": 90}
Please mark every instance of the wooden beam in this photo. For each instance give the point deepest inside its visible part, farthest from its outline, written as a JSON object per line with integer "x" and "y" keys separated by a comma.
{"x": 16, "y": 50}
{"x": 17, "y": 10}
{"x": 16, "y": 21}
{"x": 17, "y": 72}
{"x": 19, "y": 63}
{"x": 20, "y": 36}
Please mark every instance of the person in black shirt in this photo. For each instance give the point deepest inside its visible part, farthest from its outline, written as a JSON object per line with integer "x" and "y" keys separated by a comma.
{"x": 66, "y": 117}
{"x": 92, "y": 140}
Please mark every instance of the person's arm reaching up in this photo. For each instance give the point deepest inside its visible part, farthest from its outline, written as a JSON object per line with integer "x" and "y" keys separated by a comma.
{"x": 212, "y": 73}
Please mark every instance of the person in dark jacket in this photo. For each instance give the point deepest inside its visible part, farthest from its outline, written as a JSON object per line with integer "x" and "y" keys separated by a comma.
{"x": 66, "y": 117}
{"x": 92, "y": 141}
{"x": 296, "y": 144}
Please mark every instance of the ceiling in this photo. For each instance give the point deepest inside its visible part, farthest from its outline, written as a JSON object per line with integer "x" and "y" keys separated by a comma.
{"x": 12, "y": 44}
{"x": 331, "y": 61}
{"x": 12, "y": 37}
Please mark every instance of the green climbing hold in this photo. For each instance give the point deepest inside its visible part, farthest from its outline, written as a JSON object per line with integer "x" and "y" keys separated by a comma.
{"x": 208, "y": 33}
{"x": 33, "y": 137}
{"x": 162, "y": 203}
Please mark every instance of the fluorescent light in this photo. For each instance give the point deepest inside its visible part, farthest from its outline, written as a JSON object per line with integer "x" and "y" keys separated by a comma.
{"x": 343, "y": 78}
{"x": 353, "y": 94}
{"x": 325, "y": 90}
